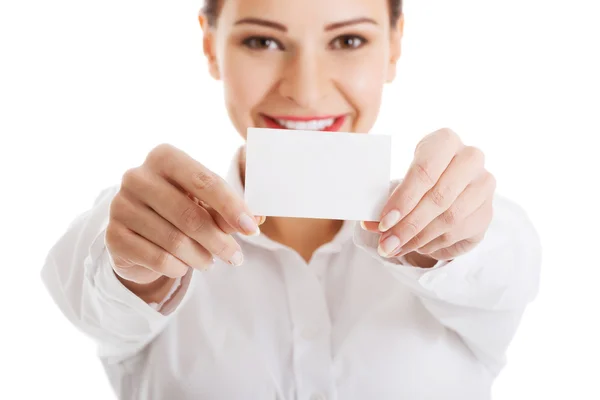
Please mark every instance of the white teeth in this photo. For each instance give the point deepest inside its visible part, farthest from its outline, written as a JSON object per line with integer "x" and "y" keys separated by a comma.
{"x": 313, "y": 125}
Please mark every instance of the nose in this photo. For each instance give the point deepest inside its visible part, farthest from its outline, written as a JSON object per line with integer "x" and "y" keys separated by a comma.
{"x": 305, "y": 79}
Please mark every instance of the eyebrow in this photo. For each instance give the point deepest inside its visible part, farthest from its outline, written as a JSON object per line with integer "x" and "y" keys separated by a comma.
{"x": 262, "y": 22}
{"x": 355, "y": 21}
{"x": 283, "y": 28}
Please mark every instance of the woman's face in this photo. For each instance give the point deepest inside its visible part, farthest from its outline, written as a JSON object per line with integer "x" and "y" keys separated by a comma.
{"x": 303, "y": 64}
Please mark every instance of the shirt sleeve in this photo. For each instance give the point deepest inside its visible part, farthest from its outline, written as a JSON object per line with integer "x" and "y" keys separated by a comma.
{"x": 79, "y": 276}
{"x": 481, "y": 295}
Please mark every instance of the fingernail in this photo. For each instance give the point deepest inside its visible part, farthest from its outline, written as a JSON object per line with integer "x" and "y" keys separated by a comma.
{"x": 389, "y": 246}
{"x": 389, "y": 220}
{"x": 248, "y": 225}
{"x": 362, "y": 225}
{"x": 236, "y": 259}
{"x": 262, "y": 220}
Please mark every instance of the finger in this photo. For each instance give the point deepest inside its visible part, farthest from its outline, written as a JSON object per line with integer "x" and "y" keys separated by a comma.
{"x": 204, "y": 184}
{"x": 224, "y": 225}
{"x": 130, "y": 271}
{"x": 144, "y": 221}
{"x": 470, "y": 227}
{"x": 463, "y": 169}
{"x": 140, "y": 251}
{"x": 220, "y": 221}
{"x": 370, "y": 226}
{"x": 432, "y": 156}
{"x": 218, "y": 218}
{"x": 467, "y": 203}
{"x": 449, "y": 253}
{"x": 138, "y": 274}
{"x": 182, "y": 212}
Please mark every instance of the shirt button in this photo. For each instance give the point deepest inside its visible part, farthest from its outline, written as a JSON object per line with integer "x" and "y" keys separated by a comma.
{"x": 318, "y": 396}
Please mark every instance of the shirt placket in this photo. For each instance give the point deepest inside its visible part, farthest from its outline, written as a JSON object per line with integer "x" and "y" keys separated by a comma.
{"x": 311, "y": 336}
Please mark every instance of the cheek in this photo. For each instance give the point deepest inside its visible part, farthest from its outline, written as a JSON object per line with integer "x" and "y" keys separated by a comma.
{"x": 362, "y": 82}
{"x": 247, "y": 81}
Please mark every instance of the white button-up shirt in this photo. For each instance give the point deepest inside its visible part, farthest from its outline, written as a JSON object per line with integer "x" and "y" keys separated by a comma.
{"x": 347, "y": 325}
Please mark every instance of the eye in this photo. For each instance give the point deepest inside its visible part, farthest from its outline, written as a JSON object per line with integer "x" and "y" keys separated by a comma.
{"x": 261, "y": 43}
{"x": 348, "y": 42}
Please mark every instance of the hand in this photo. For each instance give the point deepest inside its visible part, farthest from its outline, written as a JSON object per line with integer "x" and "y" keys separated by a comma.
{"x": 443, "y": 207}
{"x": 171, "y": 214}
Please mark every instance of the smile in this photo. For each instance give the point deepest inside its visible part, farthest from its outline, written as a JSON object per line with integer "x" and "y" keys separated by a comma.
{"x": 329, "y": 123}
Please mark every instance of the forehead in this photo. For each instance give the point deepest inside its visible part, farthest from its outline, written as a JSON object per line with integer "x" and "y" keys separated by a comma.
{"x": 304, "y": 12}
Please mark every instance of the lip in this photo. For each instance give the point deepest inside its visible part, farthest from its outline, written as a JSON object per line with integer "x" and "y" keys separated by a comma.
{"x": 337, "y": 124}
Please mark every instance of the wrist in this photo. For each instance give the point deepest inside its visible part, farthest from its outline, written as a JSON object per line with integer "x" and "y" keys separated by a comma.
{"x": 420, "y": 260}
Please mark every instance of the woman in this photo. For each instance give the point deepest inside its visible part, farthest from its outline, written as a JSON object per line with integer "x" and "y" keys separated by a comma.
{"x": 421, "y": 305}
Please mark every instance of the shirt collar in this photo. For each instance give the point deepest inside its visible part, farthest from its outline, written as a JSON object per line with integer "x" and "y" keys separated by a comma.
{"x": 234, "y": 180}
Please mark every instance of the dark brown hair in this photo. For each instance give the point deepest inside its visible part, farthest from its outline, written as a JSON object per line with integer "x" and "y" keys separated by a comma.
{"x": 211, "y": 11}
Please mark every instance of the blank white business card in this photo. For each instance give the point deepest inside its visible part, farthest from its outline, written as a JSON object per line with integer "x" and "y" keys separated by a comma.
{"x": 315, "y": 174}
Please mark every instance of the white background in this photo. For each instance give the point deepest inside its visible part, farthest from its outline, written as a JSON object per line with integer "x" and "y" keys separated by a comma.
{"x": 88, "y": 88}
